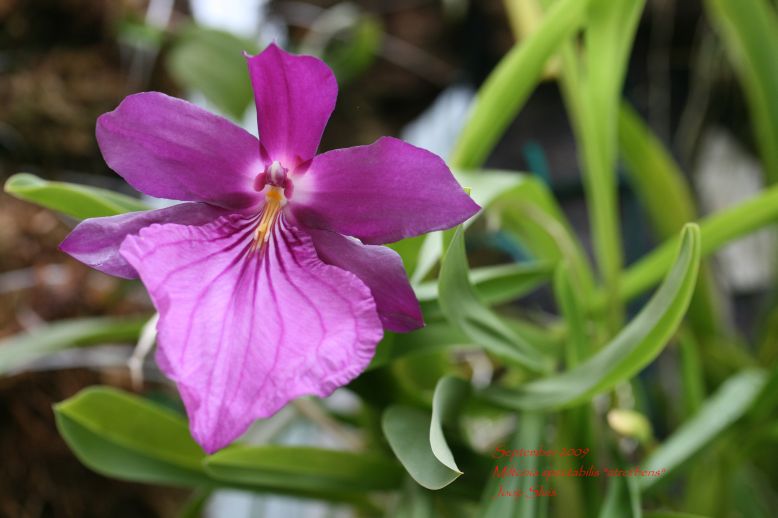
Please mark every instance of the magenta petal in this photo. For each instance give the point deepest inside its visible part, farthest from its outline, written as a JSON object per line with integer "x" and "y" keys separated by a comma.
{"x": 295, "y": 96}
{"x": 242, "y": 336}
{"x": 95, "y": 242}
{"x": 169, "y": 148}
{"x": 380, "y": 193}
{"x": 381, "y": 269}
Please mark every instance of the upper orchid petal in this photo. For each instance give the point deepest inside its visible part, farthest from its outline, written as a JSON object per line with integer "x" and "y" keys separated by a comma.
{"x": 295, "y": 96}
{"x": 243, "y": 332}
{"x": 381, "y": 269}
{"x": 380, "y": 193}
{"x": 169, "y": 148}
{"x": 95, "y": 241}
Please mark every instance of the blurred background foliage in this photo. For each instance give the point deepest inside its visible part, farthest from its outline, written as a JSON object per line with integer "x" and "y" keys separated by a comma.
{"x": 592, "y": 131}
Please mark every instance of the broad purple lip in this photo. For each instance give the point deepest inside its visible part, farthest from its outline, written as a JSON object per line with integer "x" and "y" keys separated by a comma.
{"x": 269, "y": 281}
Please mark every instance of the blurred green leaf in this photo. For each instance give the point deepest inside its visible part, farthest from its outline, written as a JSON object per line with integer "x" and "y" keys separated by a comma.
{"x": 493, "y": 284}
{"x": 716, "y": 229}
{"x": 126, "y": 437}
{"x": 618, "y": 500}
{"x": 727, "y": 405}
{"x": 670, "y": 514}
{"x": 657, "y": 179}
{"x": 432, "y": 337}
{"x": 750, "y": 31}
{"x": 414, "y": 502}
{"x": 196, "y": 503}
{"x": 529, "y": 212}
{"x": 528, "y": 435}
{"x": 352, "y": 54}
{"x": 666, "y": 196}
{"x": 139, "y": 34}
{"x": 211, "y": 61}
{"x": 417, "y": 439}
{"x": 461, "y": 306}
{"x": 610, "y": 29}
{"x": 21, "y": 349}
{"x": 302, "y": 468}
{"x": 569, "y": 304}
{"x": 631, "y": 350}
{"x": 692, "y": 379}
{"x": 77, "y": 201}
{"x": 510, "y": 83}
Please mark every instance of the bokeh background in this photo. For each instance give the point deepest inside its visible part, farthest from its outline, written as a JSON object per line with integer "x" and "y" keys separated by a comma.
{"x": 407, "y": 68}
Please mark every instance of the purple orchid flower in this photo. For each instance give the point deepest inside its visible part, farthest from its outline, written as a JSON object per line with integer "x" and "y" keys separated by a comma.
{"x": 268, "y": 282}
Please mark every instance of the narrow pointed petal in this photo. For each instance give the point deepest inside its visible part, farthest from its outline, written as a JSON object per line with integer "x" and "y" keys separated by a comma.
{"x": 95, "y": 241}
{"x": 242, "y": 336}
{"x": 169, "y": 148}
{"x": 381, "y": 269}
{"x": 295, "y": 96}
{"x": 380, "y": 193}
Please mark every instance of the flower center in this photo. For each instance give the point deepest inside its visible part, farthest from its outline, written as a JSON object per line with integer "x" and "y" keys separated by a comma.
{"x": 274, "y": 202}
{"x": 274, "y": 182}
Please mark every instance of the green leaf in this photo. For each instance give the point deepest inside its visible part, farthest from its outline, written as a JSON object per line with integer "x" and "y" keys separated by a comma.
{"x": 354, "y": 51}
{"x": 569, "y": 304}
{"x": 407, "y": 430}
{"x": 671, "y": 514}
{"x": 493, "y": 284}
{"x": 717, "y": 230}
{"x": 666, "y": 197}
{"x": 656, "y": 178}
{"x": 529, "y": 435}
{"x": 530, "y": 213}
{"x": 129, "y": 438}
{"x": 610, "y": 29}
{"x": 461, "y": 306}
{"x": 750, "y": 31}
{"x": 508, "y": 86}
{"x": 24, "y": 348}
{"x": 417, "y": 438}
{"x": 77, "y": 201}
{"x": 631, "y": 350}
{"x": 432, "y": 337}
{"x": 619, "y": 499}
{"x": 302, "y": 468}
{"x": 731, "y": 401}
{"x": 211, "y": 61}
{"x": 447, "y": 400}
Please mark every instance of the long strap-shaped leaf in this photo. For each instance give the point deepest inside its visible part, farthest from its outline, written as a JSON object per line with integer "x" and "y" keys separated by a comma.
{"x": 463, "y": 309}
{"x": 750, "y": 30}
{"x": 723, "y": 408}
{"x": 631, "y": 350}
{"x": 18, "y": 351}
{"x": 127, "y": 437}
{"x": 78, "y": 201}
{"x": 511, "y": 82}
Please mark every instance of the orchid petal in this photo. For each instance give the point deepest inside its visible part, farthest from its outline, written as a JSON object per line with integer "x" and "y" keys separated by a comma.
{"x": 380, "y": 193}
{"x": 95, "y": 241}
{"x": 170, "y": 148}
{"x": 243, "y": 334}
{"x": 295, "y": 96}
{"x": 381, "y": 269}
